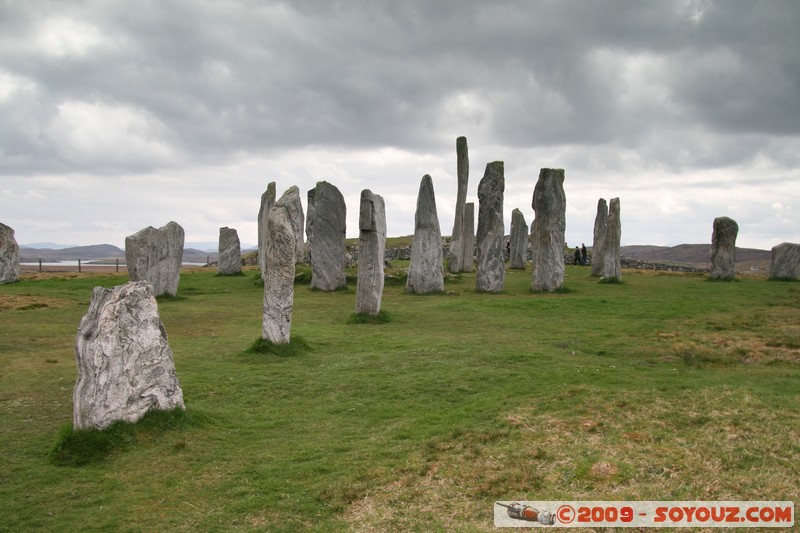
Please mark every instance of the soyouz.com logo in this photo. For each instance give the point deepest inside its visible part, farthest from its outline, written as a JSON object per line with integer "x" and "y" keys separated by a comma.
{"x": 777, "y": 514}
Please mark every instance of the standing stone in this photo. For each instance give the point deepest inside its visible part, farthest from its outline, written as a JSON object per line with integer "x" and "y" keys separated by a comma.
{"x": 425, "y": 273}
{"x": 125, "y": 364}
{"x": 327, "y": 238}
{"x": 550, "y": 205}
{"x": 281, "y": 259}
{"x": 309, "y": 224}
{"x": 267, "y": 200}
{"x": 458, "y": 256}
{"x": 600, "y": 221}
{"x": 9, "y": 255}
{"x": 295, "y": 207}
{"x": 230, "y": 252}
{"x": 611, "y": 265}
{"x": 785, "y": 262}
{"x": 490, "y": 264}
{"x": 468, "y": 238}
{"x": 155, "y": 255}
{"x": 723, "y": 248}
{"x": 519, "y": 240}
{"x": 371, "y": 251}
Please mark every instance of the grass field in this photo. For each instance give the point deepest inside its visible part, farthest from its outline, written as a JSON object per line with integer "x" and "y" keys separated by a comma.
{"x": 666, "y": 386}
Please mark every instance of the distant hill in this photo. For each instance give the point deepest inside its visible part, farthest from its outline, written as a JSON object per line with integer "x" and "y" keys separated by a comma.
{"x": 98, "y": 252}
{"x": 696, "y": 254}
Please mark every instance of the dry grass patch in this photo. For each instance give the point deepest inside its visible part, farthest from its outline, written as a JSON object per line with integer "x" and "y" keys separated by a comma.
{"x": 26, "y": 302}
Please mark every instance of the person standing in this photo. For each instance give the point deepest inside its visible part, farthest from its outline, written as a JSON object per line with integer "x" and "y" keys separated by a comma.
{"x": 583, "y": 254}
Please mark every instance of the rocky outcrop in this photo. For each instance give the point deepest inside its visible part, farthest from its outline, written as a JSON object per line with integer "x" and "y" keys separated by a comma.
{"x": 550, "y": 204}
{"x": 723, "y": 249}
{"x": 155, "y": 255}
{"x": 371, "y": 251}
{"x": 328, "y": 226}
{"x": 125, "y": 364}
{"x": 9, "y": 255}
{"x": 425, "y": 274}
{"x": 490, "y": 266}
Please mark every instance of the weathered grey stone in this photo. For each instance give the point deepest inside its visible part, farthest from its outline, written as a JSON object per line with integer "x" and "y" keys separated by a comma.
{"x": 458, "y": 257}
{"x": 600, "y": 221}
{"x": 490, "y": 266}
{"x": 125, "y": 364}
{"x": 550, "y": 205}
{"x": 327, "y": 238}
{"x": 519, "y": 240}
{"x": 371, "y": 251}
{"x": 267, "y": 201}
{"x": 155, "y": 255}
{"x": 468, "y": 238}
{"x": 281, "y": 259}
{"x": 723, "y": 249}
{"x": 309, "y": 224}
{"x": 295, "y": 207}
{"x": 425, "y": 274}
{"x": 230, "y": 252}
{"x": 9, "y": 255}
{"x": 612, "y": 270}
{"x": 785, "y": 262}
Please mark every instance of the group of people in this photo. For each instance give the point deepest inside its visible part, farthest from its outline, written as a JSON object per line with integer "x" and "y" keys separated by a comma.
{"x": 580, "y": 255}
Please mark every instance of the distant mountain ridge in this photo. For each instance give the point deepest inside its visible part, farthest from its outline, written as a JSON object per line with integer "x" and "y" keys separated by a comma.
{"x": 689, "y": 253}
{"x": 98, "y": 252}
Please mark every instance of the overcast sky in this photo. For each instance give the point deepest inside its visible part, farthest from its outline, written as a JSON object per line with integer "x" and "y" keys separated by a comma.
{"x": 119, "y": 115}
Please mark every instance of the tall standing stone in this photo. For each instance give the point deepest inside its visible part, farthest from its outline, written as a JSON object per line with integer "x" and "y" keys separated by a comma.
{"x": 550, "y": 205}
{"x": 267, "y": 200}
{"x": 309, "y": 224}
{"x": 9, "y": 255}
{"x": 490, "y": 267}
{"x": 468, "y": 238}
{"x": 425, "y": 274}
{"x": 155, "y": 255}
{"x": 327, "y": 238}
{"x": 125, "y": 364}
{"x": 457, "y": 249}
{"x": 785, "y": 262}
{"x": 723, "y": 249}
{"x": 371, "y": 251}
{"x": 519, "y": 240}
{"x": 612, "y": 270}
{"x": 295, "y": 206}
{"x": 230, "y": 252}
{"x": 600, "y": 221}
{"x": 281, "y": 259}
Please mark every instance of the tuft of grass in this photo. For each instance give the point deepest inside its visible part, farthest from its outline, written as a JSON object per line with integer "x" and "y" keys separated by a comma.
{"x": 87, "y": 446}
{"x": 233, "y": 275}
{"x": 364, "y": 318}
{"x": 296, "y": 346}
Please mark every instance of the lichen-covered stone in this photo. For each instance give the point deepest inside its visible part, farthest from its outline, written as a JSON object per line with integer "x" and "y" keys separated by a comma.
{"x": 328, "y": 253}
{"x": 281, "y": 259}
{"x": 468, "y": 238}
{"x": 458, "y": 252}
{"x": 490, "y": 266}
{"x": 425, "y": 274}
{"x": 612, "y": 271}
{"x": 550, "y": 205}
{"x": 371, "y": 251}
{"x": 155, "y": 255}
{"x": 125, "y": 364}
{"x": 600, "y": 221}
{"x": 518, "y": 246}
{"x": 267, "y": 201}
{"x": 723, "y": 249}
{"x": 230, "y": 252}
{"x": 9, "y": 255}
{"x": 785, "y": 262}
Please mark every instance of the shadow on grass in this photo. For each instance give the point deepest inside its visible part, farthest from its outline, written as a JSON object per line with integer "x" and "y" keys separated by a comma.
{"x": 167, "y": 298}
{"x": 87, "y": 446}
{"x": 232, "y": 275}
{"x": 364, "y": 318}
{"x": 296, "y": 346}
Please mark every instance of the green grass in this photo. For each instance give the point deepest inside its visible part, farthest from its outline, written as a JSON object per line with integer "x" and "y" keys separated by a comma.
{"x": 661, "y": 387}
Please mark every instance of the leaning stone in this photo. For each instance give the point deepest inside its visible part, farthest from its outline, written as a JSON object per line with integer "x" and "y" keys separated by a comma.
{"x": 9, "y": 255}
{"x": 468, "y": 238}
{"x": 785, "y": 262}
{"x": 612, "y": 270}
{"x": 155, "y": 255}
{"x": 267, "y": 200}
{"x": 550, "y": 205}
{"x": 458, "y": 257}
{"x": 125, "y": 364}
{"x": 425, "y": 274}
{"x": 600, "y": 221}
{"x": 723, "y": 249}
{"x": 490, "y": 269}
{"x": 519, "y": 240}
{"x": 371, "y": 251}
{"x": 281, "y": 260}
{"x": 230, "y": 252}
{"x": 328, "y": 238}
